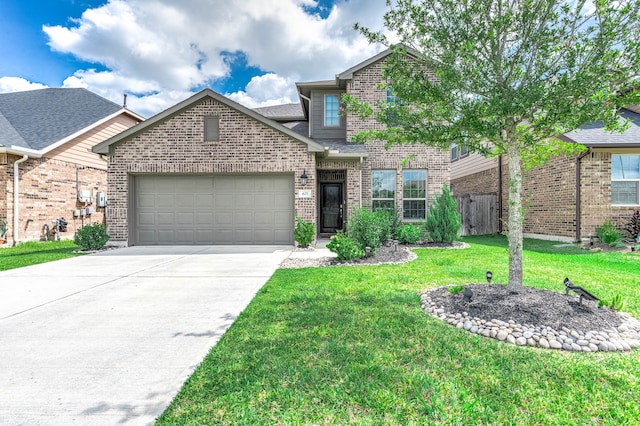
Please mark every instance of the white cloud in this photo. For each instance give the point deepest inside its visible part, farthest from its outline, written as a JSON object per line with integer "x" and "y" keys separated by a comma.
{"x": 163, "y": 50}
{"x": 17, "y": 84}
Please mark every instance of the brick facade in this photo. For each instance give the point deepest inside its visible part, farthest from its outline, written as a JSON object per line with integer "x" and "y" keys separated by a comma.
{"x": 48, "y": 190}
{"x": 549, "y": 195}
{"x": 176, "y": 146}
{"x": 436, "y": 162}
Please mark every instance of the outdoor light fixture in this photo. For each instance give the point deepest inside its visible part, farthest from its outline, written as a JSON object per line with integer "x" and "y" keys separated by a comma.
{"x": 304, "y": 177}
{"x": 489, "y": 276}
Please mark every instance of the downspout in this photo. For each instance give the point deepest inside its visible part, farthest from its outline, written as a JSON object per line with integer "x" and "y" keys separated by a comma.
{"x": 579, "y": 193}
{"x": 16, "y": 196}
{"x": 500, "y": 194}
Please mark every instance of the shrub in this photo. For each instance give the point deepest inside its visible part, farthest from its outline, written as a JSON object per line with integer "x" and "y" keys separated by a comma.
{"x": 304, "y": 232}
{"x": 3, "y": 227}
{"x": 368, "y": 229}
{"x": 455, "y": 289}
{"x": 91, "y": 237}
{"x": 608, "y": 233}
{"x": 443, "y": 220}
{"x": 618, "y": 302}
{"x": 390, "y": 223}
{"x": 409, "y": 233}
{"x": 632, "y": 226}
{"x": 345, "y": 247}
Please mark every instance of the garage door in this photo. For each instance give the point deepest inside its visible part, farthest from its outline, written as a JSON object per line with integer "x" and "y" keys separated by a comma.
{"x": 213, "y": 209}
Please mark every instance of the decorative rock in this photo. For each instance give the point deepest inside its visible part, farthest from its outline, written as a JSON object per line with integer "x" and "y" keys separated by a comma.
{"x": 516, "y": 334}
{"x": 593, "y": 347}
{"x": 493, "y": 333}
{"x": 527, "y": 334}
{"x": 575, "y": 334}
{"x": 544, "y": 343}
{"x": 625, "y": 345}
{"x": 501, "y": 335}
{"x": 554, "y": 344}
{"x": 474, "y": 329}
{"x": 582, "y": 342}
{"x": 585, "y": 348}
{"x": 603, "y": 346}
{"x": 521, "y": 341}
{"x": 576, "y": 347}
{"x": 567, "y": 347}
{"x": 622, "y": 328}
{"x": 531, "y": 342}
{"x": 468, "y": 325}
{"x": 511, "y": 339}
{"x": 460, "y": 325}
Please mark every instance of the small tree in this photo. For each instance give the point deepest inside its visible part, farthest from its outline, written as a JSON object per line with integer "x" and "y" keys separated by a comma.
{"x": 443, "y": 220}
{"x": 505, "y": 78}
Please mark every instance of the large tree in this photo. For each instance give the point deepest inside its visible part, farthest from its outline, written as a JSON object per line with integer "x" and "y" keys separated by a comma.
{"x": 505, "y": 77}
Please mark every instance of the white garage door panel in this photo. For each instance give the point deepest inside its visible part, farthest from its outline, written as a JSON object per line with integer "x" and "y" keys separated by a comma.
{"x": 213, "y": 209}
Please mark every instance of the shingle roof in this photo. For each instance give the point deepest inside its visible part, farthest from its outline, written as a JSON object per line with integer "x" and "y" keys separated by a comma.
{"x": 39, "y": 118}
{"x": 593, "y": 134}
{"x": 285, "y": 112}
{"x": 335, "y": 147}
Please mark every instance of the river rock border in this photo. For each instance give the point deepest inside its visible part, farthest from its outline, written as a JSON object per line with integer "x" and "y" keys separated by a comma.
{"x": 620, "y": 339}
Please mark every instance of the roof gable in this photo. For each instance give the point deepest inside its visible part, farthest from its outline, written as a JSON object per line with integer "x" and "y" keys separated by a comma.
{"x": 103, "y": 147}
{"x": 348, "y": 74}
{"x": 594, "y": 135}
{"x": 40, "y": 119}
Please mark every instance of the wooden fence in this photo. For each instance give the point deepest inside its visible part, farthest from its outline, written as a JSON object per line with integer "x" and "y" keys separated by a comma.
{"x": 478, "y": 213}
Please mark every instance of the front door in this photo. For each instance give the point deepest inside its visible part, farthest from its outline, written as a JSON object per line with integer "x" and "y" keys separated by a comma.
{"x": 330, "y": 207}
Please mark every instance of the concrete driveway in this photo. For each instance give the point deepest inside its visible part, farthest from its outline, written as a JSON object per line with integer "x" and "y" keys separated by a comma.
{"x": 110, "y": 338}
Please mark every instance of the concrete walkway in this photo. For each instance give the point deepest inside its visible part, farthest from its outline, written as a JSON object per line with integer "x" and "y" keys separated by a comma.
{"x": 110, "y": 338}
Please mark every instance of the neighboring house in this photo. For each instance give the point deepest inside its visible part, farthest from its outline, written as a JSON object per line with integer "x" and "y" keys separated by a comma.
{"x": 569, "y": 197}
{"x": 45, "y": 159}
{"x": 210, "y": 171}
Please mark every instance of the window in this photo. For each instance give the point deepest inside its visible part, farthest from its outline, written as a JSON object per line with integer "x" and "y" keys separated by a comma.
{"x": 393, "y": 101}
{"x": 625, "y": 179}
{"x": 464, "y": 151}
{"x": 454, "y": 152}
{"x": 414, "y": 194}
{"x": 331, "y": 110}
{"x": 212, "y": 129}
{"x": 383, "y": 189}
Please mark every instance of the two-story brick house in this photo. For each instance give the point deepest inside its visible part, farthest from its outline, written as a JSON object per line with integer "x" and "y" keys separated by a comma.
{"x": 210, "y": 171}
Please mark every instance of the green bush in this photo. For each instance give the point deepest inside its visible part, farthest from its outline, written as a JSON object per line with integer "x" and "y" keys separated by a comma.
{"x": 455, "y": 289}
{"x": 345, "y": 247}
{"x": 409, "y": 233}
{"x": 608, "y": 233}
{"x": 91, "y": 237}
{"x": 618, "y": 302}
{"x": 3, "y": 227}
{"x": 443, "y": 220}
{"x": 390, "y": 223}
{"x": 304, "y": 232}
{"x": 368, "y": 229}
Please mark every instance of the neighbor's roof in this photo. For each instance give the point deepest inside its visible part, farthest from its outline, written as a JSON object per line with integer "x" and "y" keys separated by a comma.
{"x": 103, "y": 147}
{"x": 593, "y": 135}
{"x": 39, "y": 120}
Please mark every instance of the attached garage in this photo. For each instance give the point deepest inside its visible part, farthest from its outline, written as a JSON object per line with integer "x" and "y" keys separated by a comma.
{"x": 212, "y": 209}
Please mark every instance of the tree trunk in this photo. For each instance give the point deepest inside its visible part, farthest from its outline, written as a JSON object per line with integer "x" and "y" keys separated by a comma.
{"x": 516, "y": 216}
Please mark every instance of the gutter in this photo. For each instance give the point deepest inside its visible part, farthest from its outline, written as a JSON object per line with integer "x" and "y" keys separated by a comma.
{"x": 579, "y": 193}
{"x": 16, "y": 195}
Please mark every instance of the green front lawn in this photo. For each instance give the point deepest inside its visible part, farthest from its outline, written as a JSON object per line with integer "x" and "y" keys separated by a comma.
{"x": 34, "y": 252}
{"x": 350, "y": 345}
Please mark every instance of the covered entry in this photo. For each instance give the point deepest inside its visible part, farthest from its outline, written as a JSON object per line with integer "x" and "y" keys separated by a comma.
{"x": 212, "y": 209}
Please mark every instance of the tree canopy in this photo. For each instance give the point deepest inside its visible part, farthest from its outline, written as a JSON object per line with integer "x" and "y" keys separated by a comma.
{"x": 505, "y": 77}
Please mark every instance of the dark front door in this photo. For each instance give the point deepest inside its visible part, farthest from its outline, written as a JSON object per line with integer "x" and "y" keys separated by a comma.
{"x": 330, "y": 207}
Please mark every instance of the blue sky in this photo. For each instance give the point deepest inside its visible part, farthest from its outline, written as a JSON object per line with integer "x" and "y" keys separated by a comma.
{"x": 161, "y": 51}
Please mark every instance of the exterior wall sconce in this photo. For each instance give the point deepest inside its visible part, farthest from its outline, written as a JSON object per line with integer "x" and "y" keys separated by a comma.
{"x": 304, "y": 177}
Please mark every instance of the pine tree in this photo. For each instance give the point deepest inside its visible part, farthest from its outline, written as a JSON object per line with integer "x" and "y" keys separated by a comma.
{"x": 443, "y": 220}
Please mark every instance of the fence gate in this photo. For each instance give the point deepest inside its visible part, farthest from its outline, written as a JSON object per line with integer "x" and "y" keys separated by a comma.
{"x": 478, "y": 214}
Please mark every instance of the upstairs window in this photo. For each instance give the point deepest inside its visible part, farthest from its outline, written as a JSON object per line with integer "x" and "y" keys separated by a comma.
{"x": 625, "y": 180}
{"x": 393, "y": 101}
{"x": 331, "y": 110}
{"x": 383, "y": 189}
{"x": 454, "y": 152}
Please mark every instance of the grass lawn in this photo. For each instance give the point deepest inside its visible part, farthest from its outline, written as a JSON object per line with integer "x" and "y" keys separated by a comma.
{"x": 350, "y": 345}
{"x": 34, "y": 252}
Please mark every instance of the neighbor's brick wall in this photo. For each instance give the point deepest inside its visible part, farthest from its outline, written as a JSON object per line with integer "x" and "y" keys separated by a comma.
{"x": 364, "y": 87}
{"x": 596, "y": 195}
{"x": 177, "y": 146}
{"x": 484, "y": 182}
{"x": 48, "y": 191}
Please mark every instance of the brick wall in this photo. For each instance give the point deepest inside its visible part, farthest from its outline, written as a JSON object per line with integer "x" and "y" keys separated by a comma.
{"x": 48, "y": 191}
{"x": 484, "y": 182}
{"x": 177, "y": 146}
{"x": 364, "y": 87}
